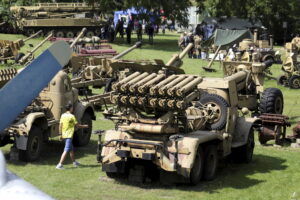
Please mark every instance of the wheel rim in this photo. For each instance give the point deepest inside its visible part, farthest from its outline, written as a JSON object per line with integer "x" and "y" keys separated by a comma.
{"x": 34, "y": 146}
{"x": 90, "y": 34}
{"x": 214, "y": 111}
{"x": 296, "y": 83}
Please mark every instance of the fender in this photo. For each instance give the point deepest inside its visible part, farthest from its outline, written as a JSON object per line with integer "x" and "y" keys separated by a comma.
{"x": 241, "y": 131}
{"x": 188, "y": 148}
{"x": 24, "y": 126}
{"x": 26, "y": 123}
{"x": 81, "y": 108}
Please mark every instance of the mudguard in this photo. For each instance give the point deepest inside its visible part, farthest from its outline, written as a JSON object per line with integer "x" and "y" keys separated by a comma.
{"x": 81, "y": 108}
{"x": 242, "y": 128}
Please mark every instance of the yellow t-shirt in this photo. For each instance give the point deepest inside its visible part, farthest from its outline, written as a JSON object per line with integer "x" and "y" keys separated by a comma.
{"x": 68, "y": 122}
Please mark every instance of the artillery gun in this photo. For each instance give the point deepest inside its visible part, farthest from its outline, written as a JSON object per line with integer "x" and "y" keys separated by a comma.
{"x": 250, "y": 92}
{"x": 107, "y": 70}
{"x": 291, "y": 67}
{"x": 9, "y": 50}
{"x": 255, "y": 51}
{"x": 65, "y": 19}
{"x": 179, "y": 125}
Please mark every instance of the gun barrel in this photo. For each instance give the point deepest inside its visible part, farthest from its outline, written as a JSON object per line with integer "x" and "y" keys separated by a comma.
{"x": 33, "y": 35}
{"x": 137, "y": 45}
{"x": 25, "y": 58}
{"x": 177, "y": 58}
{"x": 78, "y": 37}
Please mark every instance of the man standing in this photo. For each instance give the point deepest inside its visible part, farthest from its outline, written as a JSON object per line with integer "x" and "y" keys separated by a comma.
{"x": 67, "y": 126}
{"x": 128, "y": 32}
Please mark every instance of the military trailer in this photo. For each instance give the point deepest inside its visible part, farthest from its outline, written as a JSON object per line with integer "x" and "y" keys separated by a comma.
{"x": 177, "y": 125}
{"x": 291, "y": 67}
{"x": 40, "y": 120}
{"x": 65, "y": 19}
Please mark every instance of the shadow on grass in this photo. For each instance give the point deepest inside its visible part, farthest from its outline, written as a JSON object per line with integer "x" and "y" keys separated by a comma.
{"x": 53, "y": 149}
{"x": 230, "y": 175}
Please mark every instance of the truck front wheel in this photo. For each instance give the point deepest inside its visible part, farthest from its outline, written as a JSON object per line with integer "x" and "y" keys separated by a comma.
{"x": 197, "y": 170}
{"x": 82, "y": 136}
{"x": 34, "y": 145}
{"x": 210, "y": 162}
{"x": 244, "y": 153}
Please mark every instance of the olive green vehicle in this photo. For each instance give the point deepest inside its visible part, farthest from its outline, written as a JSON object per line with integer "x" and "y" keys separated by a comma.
{"x": 40, "y": 120}
{"x": 65, "y": 19}
{"x": 291, "y": 66}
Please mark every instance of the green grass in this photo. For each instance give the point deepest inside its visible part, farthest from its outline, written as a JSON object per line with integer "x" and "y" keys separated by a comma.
{"x": 273, "y": 174}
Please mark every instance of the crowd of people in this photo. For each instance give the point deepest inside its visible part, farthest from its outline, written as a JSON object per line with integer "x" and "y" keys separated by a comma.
{"x": 110, "y": 32}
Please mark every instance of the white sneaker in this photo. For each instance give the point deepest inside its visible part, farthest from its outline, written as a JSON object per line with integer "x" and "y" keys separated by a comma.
{"x": 59, "y": 166}
{"x": 76, "y": 164}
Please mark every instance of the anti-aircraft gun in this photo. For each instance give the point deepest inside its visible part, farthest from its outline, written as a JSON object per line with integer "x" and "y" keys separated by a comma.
{"x": 291, "y": 67}
{"x": 177, "y": 124}
{"x": 9, "y": 50}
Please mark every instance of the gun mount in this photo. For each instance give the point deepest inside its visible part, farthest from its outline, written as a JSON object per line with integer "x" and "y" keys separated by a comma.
{"x": 107, "y": 69}
{"x": 9, "y": 50}
{"x": 291, "y": 66}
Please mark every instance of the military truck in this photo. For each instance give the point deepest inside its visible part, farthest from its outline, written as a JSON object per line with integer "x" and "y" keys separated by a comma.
{"x": 177, "y": 125}
{"x": 65, "y": 19}
{"x": 291, "y": 66}
{"x": 40, "y": 120}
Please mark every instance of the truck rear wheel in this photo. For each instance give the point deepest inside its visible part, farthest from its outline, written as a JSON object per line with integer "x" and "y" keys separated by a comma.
{"x": 216, "y": 106}
{"x": 34, "y": 145}
{"x": 244, "y": 153}
{"x": 210, "y": 162}
{"x": 271, "y": 101}
{"x": 82, "y": 136}
{"x": 197, "y": 170}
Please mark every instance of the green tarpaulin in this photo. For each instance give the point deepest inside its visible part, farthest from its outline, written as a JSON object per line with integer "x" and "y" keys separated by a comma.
{"x": 227, "y": 38}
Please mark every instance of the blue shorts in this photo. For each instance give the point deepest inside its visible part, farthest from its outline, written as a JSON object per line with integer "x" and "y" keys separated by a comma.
{"x": 68, "y": 145}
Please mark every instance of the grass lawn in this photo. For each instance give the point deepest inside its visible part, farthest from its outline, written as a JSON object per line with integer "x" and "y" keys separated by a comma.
{"x": 273, "y": 174}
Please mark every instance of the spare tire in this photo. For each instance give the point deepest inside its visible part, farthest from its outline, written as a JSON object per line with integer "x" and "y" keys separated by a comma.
{"x": 271, "y": 101}
{"x": 217, "y": 104}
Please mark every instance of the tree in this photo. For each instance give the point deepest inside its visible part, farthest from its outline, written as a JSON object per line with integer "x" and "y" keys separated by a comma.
{"x": 272, "y": 13}
{"x": 173, "y": 9}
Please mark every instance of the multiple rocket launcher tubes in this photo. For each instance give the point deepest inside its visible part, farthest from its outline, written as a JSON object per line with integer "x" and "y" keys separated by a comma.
{"x": 156, "y": 90}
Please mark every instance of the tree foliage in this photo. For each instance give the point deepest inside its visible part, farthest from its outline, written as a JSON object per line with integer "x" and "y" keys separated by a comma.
{"x": 272, "y": 13}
